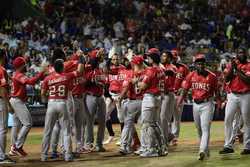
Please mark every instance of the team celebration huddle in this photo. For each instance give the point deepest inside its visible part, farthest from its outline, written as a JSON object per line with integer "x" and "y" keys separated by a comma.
{"x": 84, "y": 88}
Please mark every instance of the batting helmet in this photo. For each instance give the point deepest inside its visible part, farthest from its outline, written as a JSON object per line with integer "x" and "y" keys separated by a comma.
{"x": 19, "y": 62}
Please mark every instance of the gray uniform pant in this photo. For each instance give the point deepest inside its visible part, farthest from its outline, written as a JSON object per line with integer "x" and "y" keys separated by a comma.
{"x": 132, "y": 108}
{"x": 22, "y": 117}
{"x": 237, "y": 125}
{"x": 57, "y": 110}
{"x": 152, "y": 140}
{"x": 95, "y": 107}
{"x": 79, "y": 118}
{"x": 167, "y": 109}
{"x": 57, "y": 133}
{"x": 175, "y": 126}
{"x": 236, "y": 102}
{"x": 3, "y": 128}
{"x": 203, "y": 116}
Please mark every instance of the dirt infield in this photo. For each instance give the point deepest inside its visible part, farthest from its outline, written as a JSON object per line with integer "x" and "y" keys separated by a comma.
{"x": 185, "y": 154}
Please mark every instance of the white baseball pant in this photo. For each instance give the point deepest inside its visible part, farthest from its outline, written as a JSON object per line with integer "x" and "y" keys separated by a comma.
{"x": 236, "y": 102}
{"x": 22, "y": 116}
{"x": 57, "y": 110}
{"x": 132, "y": 108}
{"x": 167, "y": 109}
{"x": 79, "y": 118}
{"x": 95, "y": 106}
{"x": 176, "y": 124}
{"x": 203, "y": 116}
{"x": 152, "y": 140}
{"x": 3, "y": 128}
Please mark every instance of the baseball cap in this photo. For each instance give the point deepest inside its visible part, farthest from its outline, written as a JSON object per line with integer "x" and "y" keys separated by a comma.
{"x": 19, "y": 62}
{"x": 199, "y": 57}
{"x": 137, "y": 59}
{"x": 153, "y": 51}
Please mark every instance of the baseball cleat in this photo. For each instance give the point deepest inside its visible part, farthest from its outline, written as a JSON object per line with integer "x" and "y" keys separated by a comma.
{"x": 175, "y": 142}
{"x": 44, "y": 157}
{"x": 12, "y": 152}
{"x": 7, "y": 160}
{"x": 100, "y": 149}
{"x": 149, "y": 154}
{"x": 202, "y": 155}
{"x": 20, "y": 151}
{"x": 245, "y": 152}
{"x": 138, "y": 152}
{"x": 109, "y": 140}
{"x": 118, "y": 143}
{"x": 226, "y": 151}
{"x": 54, "y": 155}
{"x": 84, "y": 151}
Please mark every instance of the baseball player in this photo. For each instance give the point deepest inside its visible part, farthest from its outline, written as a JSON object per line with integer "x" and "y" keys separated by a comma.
{"x": 168, "y": 101}
{"x": 4, "y": 108}
{"x": 18, "y": 98}
{"x": 76, "y": 108}
{"x": 132, "y": 106}
{"x": 181, "y": 73}
{"x": 115, "y": 79}
{"x": 203, "y": 84}
{"x": 56, "y": 87}
{"x": 152, "y": 140}
{"x": 95, "y": 104}
{"x": 238, "y": 77}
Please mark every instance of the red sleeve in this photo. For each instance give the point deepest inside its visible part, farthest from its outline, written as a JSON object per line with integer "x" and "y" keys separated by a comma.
{"x": 72, "y": 75}
{"x": 186, "y": 84}
{"x": 30, "y": 81}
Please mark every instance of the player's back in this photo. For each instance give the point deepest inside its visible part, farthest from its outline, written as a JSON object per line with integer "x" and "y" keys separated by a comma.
{"x": 58, "y": 85}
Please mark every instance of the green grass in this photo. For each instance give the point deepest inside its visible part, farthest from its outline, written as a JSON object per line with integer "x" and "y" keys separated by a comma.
{"x": 184, "y": 155}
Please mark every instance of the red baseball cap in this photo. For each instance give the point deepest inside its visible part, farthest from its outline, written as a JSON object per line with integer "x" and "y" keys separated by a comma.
{"x": 153, "y": 51}
{"x": 199, "y": 56}
{"x": 137, "y": 59}
{"x": 19, "y": 62}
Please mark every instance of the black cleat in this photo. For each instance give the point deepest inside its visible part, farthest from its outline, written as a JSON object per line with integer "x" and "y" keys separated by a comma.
{"x": 202, "y": 156}
{"x": 245, "y": 152}
{"x": 226, "y": 151}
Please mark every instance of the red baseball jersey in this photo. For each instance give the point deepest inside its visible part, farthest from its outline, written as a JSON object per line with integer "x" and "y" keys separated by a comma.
{"x": 133, "y": 89}
{"x": 170, "y": 79}
{"x": 115, "y": 81}
{"x": 181, "y": 73}
{"x": 78, "y": 85}
{"x": 237, "y": 85}
{"x": 116, "y": 69}
{"x": 19, "y": 82}
{"x": 97, "y": 79}
{"x": 154, "y": 77}
{"x": 202, "y": 87}
{"x": 57, "y": 85}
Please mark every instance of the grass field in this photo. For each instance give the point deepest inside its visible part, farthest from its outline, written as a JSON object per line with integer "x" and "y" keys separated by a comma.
{"x": 184, "y": 155}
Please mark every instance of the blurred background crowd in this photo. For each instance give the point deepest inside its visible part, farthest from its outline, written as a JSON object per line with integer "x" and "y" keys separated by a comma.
{"x": 126, "y": 27}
